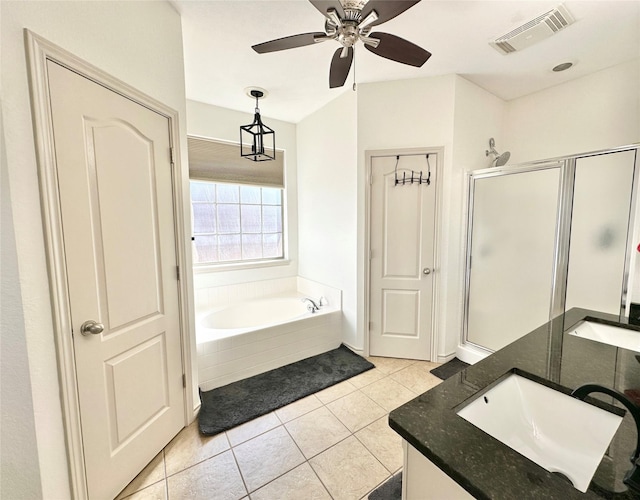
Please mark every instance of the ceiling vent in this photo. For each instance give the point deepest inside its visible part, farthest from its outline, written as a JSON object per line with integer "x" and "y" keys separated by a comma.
{"x": 534, "y": 31}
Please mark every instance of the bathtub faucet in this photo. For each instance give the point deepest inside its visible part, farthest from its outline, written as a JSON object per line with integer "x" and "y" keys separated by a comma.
{"x": 311, "y": 306}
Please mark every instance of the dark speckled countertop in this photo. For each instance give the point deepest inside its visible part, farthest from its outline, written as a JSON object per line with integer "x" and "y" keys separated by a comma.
{"x": 485, "y": 467}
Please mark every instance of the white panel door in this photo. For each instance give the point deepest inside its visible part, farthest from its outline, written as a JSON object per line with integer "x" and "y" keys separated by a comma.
{"x": 402, "y": 259}
{"x": 115, "y": 186}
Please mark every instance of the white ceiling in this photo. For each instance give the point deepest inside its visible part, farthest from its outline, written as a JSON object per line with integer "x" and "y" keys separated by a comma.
{"x": 220, "y": 64}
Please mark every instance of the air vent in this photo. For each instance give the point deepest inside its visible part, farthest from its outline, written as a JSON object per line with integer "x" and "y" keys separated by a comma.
{"x": 534, "y": 31}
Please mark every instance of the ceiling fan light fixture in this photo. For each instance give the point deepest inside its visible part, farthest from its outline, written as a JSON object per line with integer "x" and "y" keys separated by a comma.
{"x": 373, "y": 42}
{"x": 350, "y": 21}
{"x": 257, "y": 140}
{"x": 372, "y": 17}
{"x": 333, "y": 17}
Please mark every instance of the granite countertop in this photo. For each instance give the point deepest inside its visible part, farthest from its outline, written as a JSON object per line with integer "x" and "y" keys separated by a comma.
{"x": 485, "y": 467}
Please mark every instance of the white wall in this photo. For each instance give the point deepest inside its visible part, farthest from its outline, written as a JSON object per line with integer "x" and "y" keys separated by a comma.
{"x": 137, "y": 42}
{"x": 214, "y": 122}
{"x": 19, "y": 468}
{"x": 478, "y": 116}
{"x": 327, "y": 204}
{"x": 597, "y": 111}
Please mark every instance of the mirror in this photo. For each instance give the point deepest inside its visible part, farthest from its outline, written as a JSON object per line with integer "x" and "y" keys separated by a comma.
{"x": 600, "y": 220}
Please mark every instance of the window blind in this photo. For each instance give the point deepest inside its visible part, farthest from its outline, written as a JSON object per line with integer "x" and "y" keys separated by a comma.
{"x": 215, "y": 161}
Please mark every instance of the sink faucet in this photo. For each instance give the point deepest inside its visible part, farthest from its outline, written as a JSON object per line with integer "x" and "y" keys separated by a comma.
{"x": 311, "y": 306}
{"x": 632, "y": 477}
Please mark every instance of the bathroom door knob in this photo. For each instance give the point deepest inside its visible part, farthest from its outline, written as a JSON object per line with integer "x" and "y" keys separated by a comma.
{"x": 426, "y": 270}
{"x": 91, "y": 328}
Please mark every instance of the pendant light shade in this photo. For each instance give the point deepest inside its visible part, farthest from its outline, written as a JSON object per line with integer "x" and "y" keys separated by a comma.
{"x": 257, "y": 141}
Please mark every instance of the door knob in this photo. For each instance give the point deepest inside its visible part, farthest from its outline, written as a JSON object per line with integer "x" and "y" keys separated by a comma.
{"x": 426, "y": 270}
{"x": 91, "y": 328}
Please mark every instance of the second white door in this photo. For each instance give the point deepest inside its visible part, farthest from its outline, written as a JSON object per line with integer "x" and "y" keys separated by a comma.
{"x": 402, "y": 229}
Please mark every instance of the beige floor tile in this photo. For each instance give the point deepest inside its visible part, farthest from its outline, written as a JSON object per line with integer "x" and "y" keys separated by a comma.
{"x": 335, "y": 391}
{"x": 348, "y": 470}
{"x": 151, "y": 474}
{"x": 390, "y": 365}
{"x": 383, "y": 442}
{"x": 252, "y": 428}
{"x": 190, "y": 447}
{"x": 316, "y": 431}
{"x": 300, "y": 407}
{"x": 217, "y": 477}
{"x": 417, "y": 377}
{"x": 157, "y": 491}
{"x": 264, "y": 458}
{"x": 367, "y": 377}
{"x": 300, "y": 483}
{"x": 356, "y": 410}
{"x": 388, "y": 393}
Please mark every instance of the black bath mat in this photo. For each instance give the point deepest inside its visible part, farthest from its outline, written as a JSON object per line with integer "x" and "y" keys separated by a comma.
{"x": 239, "y": 402}
{"x": 389, "y": 490}
{"x": 449, "y": 369}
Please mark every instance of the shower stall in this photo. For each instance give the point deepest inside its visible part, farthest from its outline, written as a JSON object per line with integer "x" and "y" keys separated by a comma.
{"x": 547, "y": 236}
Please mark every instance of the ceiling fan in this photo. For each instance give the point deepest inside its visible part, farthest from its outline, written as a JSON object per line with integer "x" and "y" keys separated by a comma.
{"x": 348, "y": 21}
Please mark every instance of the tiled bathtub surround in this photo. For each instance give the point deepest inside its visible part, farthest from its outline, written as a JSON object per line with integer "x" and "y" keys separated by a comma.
{"x": 219, "y": 296}
{"x": 225, "y": 360}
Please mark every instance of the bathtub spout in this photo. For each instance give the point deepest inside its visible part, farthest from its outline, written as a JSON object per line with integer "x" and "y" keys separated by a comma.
{"x": 311, "y": 306}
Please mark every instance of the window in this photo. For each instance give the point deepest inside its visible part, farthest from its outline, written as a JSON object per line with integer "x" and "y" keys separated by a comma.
{"x": 236, "y": 223}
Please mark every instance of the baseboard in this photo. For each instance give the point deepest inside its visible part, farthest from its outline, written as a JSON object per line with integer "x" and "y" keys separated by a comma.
{"x": 470, "y": 354}
{"x": 196, "y": 410}
{"x": 446, "y": 357}
{"x": 359, "y": 352}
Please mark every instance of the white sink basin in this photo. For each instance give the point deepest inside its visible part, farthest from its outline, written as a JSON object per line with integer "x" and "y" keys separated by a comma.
{"x": 612, "y": 335}
{"x": 558, "y": 432}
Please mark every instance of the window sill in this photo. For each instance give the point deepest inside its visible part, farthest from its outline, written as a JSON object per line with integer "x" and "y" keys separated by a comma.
{"x": 237, "y": 266}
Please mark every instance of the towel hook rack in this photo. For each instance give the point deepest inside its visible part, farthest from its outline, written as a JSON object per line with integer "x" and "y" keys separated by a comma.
{"x": 416, "y": 177}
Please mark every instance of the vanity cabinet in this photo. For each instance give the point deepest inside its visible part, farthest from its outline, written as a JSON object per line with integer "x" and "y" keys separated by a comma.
{"x": 468, "y": 463}
{"x": 422, "y": 479}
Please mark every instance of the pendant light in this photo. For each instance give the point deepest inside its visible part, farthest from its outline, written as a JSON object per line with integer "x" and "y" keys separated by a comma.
{"x": 257, "y": 141}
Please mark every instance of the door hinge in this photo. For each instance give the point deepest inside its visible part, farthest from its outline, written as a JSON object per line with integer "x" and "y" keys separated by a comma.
{"x": 370, "y": 325}
{"x": 371, "y": 180}
{"x": 171, "y": 155}
{"x": 370, "y": 254}
{"x": 178, "y": 273}
{"x": 184, "y": 380}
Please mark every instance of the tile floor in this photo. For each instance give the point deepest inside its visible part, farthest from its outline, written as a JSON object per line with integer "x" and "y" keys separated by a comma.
{"x": 335, "y": 444}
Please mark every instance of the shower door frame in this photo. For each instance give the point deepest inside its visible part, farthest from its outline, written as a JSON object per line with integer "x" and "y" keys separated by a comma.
{"x": 567, "y": 166}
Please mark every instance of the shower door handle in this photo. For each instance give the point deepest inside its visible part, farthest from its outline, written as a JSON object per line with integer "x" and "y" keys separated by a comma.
{"x": 426, "y": 270}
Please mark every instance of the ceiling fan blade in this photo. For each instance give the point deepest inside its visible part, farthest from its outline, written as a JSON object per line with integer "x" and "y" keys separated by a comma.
{"x": 324, "y": 5}
{"x": 289, "y": 42}
{"x": 386, "y": 9}
{"x": 398, "y": 49}
{"x": 340, "y": 67}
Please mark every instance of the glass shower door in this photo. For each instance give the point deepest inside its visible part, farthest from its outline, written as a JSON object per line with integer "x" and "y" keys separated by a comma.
{"x": 510, "y": 265}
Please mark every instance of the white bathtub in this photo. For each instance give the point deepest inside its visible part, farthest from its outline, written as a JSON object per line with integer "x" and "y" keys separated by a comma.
{"x": 243, "y": 339}
{"x": 253, "y": 315}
